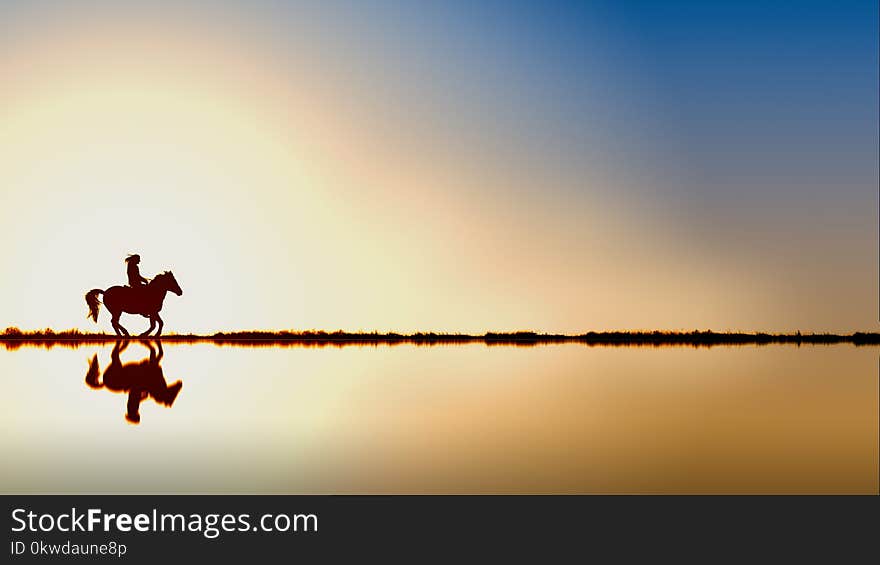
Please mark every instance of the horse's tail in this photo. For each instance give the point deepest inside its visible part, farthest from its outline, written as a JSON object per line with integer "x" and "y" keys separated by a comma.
{"x": 94, "y": 373}
{"x": 94, "y": 303}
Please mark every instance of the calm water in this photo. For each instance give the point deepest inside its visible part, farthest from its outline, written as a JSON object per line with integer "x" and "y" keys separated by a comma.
{"x": 462, "y": 419}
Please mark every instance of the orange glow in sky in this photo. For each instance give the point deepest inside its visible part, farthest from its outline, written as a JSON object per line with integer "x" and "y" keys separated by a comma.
{"x": 281, "y": 197}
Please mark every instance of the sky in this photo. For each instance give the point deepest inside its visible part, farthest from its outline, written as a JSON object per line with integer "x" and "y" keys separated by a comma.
{"x": 455, "y": 166}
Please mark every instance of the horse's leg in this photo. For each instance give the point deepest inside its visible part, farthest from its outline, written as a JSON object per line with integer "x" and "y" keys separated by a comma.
{"x": 114, "y": 320}
{"x": 118, "y": 326}
{"x": 117, "y": 349}
{"x": 152, "y": 351}
{"x": 152, "y": 326}
{"x": 161, "y": 324}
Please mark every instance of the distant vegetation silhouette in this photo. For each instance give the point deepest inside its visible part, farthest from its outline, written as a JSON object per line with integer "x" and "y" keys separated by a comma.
{"x": 13, "y": 338}
{"x": 141, "y": 379}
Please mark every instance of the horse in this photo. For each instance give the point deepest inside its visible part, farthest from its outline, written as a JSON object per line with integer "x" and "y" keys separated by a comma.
{"x": 146, "y": 301}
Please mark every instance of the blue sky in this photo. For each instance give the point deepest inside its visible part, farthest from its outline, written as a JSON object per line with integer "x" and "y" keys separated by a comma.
{"x": 654, "y": 164}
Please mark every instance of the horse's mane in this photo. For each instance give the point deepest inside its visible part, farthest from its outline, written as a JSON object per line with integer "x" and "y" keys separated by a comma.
{"x": 163, "y": 275}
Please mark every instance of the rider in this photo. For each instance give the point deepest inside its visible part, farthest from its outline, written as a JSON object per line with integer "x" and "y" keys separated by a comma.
{"x": 135, "y": 279}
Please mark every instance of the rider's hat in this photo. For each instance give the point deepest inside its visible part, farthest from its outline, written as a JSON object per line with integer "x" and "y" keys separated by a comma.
{"x": 133, "y": 257}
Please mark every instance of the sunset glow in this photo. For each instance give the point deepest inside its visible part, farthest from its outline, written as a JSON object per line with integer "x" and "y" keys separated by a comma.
{"x": 295, "y": 173}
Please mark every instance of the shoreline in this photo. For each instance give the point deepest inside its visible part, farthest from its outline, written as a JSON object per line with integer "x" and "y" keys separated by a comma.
{"x": 13, "y": 338}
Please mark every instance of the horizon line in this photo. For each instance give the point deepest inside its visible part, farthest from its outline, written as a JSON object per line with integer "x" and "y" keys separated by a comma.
{"x": 13, "y": 338}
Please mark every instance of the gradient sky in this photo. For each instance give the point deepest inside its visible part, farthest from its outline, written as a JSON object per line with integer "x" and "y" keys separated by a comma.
{"x": 457, "y": 167}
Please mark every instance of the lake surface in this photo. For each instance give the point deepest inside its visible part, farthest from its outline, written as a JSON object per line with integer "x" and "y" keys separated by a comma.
{"x": 444, "y": 419}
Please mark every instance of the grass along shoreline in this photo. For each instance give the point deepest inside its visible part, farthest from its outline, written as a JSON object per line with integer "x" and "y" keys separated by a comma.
{"x": 13, "y": 337}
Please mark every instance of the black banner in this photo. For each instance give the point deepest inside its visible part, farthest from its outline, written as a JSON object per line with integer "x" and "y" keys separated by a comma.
{"x": 137, "y": 529}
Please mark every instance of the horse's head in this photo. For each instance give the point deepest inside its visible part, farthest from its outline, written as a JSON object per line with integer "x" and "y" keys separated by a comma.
{"x": 167, "y": 282}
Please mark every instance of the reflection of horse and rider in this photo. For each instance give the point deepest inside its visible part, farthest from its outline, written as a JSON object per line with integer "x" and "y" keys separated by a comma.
{"x": 141, "y": 296}
{"x": 142, "y": 379}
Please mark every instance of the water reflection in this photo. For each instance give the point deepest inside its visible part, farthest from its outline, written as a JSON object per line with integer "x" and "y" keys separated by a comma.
{"x": 462, "y": 419}
{"x": 141, "y": 379}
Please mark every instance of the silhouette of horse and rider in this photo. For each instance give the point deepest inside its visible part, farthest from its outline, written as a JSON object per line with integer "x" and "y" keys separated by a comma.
{"x": 141, "y": 380}
{"x": 141, "y": 296}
